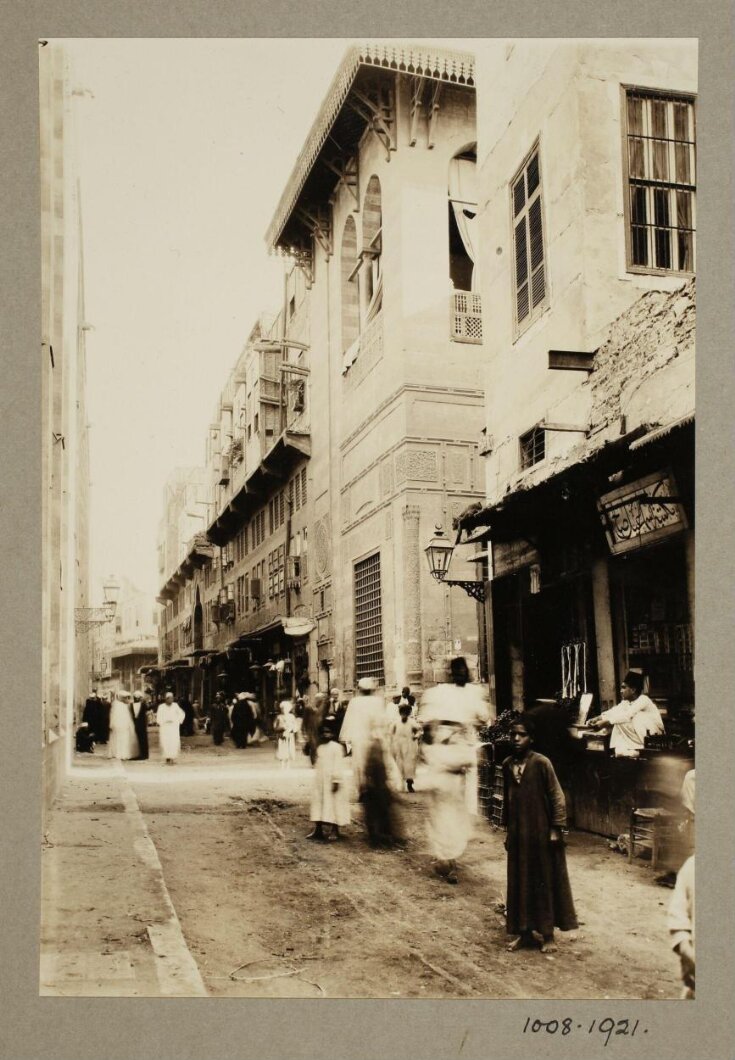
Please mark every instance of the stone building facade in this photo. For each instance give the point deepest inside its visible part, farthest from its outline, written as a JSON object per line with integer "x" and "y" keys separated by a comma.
{"x": 378, "y": 215}
{"x": 587, "y": 156}
{"x": 65, "y": 455}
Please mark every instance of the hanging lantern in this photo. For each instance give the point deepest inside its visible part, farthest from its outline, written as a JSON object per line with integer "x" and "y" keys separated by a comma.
{"x": 438, "y": 554}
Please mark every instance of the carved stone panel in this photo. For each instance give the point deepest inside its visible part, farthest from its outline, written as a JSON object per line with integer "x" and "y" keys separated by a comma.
{"x": 386, "y": 477}
{"x": 457, "y": 466}
{"x": 323, "y": 547}
{"x": 417, "y": 464}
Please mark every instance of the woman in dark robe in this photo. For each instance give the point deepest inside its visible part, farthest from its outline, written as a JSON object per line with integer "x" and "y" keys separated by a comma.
{"x": 219, "y": 718}
{"x": 140, "y": 721}
{"x": 242, "y": 721}
{"x": 539, "y": 897}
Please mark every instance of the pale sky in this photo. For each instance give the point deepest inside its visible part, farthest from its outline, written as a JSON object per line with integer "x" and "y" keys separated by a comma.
{"x": 184, "y": 148}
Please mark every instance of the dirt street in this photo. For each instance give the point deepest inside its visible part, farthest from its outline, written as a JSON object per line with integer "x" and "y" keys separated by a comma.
{"x": 267, "y": 913}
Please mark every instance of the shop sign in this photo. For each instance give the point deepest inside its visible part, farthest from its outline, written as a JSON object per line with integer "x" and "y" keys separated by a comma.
{"x": 511, "y": 556}
{"x": 641, "y": 513}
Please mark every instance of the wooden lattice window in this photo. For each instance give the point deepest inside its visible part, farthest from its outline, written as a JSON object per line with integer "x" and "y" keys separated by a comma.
{"x": 368, "y": 619}
{"x": 661, "y": 179}
{"x": 528, "y": 240}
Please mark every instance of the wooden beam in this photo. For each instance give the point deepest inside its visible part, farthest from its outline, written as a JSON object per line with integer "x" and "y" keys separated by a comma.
{"x": 571, "y": 360}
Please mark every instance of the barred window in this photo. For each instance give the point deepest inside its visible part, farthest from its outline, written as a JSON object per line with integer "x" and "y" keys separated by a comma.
{"x": 661, "y": 178}
{"x": 528, "y": 240}
{"x": 533, "y": 447}
{"x": 368, "y": 620}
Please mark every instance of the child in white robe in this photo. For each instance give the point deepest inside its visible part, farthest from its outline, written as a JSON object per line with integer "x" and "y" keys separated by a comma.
{"x": 330, "y": 798}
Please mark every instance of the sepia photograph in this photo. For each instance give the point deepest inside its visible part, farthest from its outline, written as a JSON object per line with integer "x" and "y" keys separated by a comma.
{"x": 368, "y": 380}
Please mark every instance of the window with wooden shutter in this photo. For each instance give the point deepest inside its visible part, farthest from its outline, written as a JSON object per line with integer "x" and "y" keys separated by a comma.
{"x": 661, "y": 179}
{"x": 531, "y": 285}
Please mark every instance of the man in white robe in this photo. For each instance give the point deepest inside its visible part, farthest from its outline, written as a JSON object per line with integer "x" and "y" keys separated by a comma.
{"x": 634, "y": 718}
{"x": 169, "y": 717}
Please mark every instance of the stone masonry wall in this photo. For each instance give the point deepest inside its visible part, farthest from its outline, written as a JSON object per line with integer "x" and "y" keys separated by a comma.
{"x": 656, "y": 330}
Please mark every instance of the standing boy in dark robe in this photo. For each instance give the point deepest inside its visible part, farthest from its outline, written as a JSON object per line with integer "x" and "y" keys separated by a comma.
{"x": 539, "y": 897}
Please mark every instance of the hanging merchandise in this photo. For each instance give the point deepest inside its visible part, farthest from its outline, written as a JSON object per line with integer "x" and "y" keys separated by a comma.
{"x": 573, "y": 669}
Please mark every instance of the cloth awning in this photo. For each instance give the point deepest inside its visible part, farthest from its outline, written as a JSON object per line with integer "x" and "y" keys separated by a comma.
{"x": 298, "y": 627}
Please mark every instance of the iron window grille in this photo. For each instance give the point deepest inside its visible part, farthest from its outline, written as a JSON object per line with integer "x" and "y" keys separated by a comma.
{"x": 661, "y": 177}
{"x": 368, "y": 620}
{"x": 533, "y": 447}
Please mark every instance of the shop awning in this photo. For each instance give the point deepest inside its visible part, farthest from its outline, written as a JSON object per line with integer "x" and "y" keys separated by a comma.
{"x": 662, "y": 432}
{"x": 507, "y": 519}
{"x": 298, "y": 627}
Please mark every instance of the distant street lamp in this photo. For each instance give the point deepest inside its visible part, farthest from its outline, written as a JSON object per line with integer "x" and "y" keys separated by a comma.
{"x": 86, "y": 617}
{"x": 439, "y": 554}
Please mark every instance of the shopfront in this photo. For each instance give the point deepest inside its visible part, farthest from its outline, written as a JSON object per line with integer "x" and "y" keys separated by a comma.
{"x": 593, "y": 575}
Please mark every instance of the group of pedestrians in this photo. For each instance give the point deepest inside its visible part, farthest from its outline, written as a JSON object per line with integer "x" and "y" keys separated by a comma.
{"x": 239, "y": 717}
{"x": 122, "y": 726}
{"x": 385, "y": 742}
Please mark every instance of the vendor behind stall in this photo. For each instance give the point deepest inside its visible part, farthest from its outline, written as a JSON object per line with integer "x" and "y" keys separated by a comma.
{"x": 632, "y": 720}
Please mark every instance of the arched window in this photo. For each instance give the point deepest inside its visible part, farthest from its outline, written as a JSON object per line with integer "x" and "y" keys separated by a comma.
{"x": 350, "y": 289}
{"x": 372, "y": 237}
{"x": 462, "y": 220}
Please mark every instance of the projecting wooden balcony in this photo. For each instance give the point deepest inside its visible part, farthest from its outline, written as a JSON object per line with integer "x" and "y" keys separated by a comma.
{"x": 288, "y": 450}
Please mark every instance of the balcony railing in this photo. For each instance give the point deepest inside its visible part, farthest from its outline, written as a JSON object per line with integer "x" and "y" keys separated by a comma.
{"x": 465, "y": 317}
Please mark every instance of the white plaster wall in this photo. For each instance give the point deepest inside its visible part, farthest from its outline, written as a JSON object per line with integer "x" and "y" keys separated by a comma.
{"x": 568, "y": 96}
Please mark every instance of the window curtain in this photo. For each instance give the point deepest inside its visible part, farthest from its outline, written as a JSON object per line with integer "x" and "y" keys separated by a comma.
{"x": 463, "y": 193}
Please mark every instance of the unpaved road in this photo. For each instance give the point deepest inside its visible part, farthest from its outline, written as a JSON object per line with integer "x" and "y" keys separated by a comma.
{"x": 266, "y": 913}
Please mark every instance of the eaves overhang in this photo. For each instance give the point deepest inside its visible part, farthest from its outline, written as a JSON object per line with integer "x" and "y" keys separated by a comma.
{"x": 338, "y": 127}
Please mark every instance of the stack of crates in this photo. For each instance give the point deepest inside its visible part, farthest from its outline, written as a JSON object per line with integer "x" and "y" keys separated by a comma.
{"x": 485, "y": 775}
{"x": 497, "y": 798}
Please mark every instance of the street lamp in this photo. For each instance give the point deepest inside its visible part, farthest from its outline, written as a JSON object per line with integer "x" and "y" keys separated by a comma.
{"x": 439, "y": 554}
{"x": 86, "y": 617}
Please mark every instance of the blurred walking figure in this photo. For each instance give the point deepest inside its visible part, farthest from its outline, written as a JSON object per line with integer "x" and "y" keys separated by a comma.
{"x": 123, "y": 741}
{"x": 243, "y": 720}
{"x": 314, "y": 714}
{"x": 219, "y": 718}
{"x": 404, "y": 743}
{"x": 539, "y": 897}
{"x": 451, "y": 715}
{"x": 140, "y": 722}
{"x": 364, "y": 722}
{"x": 286, "y": 729}
{"x": 681, "y": 925}
{"x": 187, "y": 726}
{"x": 169, "y": 717}
{"x": 365, "y": 730}
{"x": 330, "y": 803}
